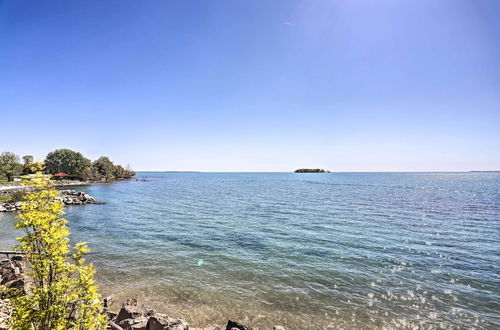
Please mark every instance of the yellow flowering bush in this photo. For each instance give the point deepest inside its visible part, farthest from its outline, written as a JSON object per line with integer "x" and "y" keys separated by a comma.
{"x": 63, "y": 294}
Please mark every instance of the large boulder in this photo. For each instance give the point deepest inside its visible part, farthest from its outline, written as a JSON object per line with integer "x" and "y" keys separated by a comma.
{"x": 129, "y": 310}
{"x": 11, "y": 276}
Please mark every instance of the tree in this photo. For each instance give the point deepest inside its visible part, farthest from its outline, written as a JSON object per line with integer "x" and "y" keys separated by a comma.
{"x": 122, "y": 173}
{"x": 63, "y": 294}
{"x": 105, "y": 168}
{"x": 66, "y": 161}
{"x": 27, "y": 159}
{"x": 10, "y": 166}
{"x": 32, "y": 168}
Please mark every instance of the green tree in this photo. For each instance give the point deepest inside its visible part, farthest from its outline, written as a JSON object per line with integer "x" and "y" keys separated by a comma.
{"x": 10, "y": 166}
{"x": 88, "y": 174}
{"x": 63, "y": 294}
{"x": 27, "y": 159}
{"x": 105, "y": 168}
{"x": 66, "y": 161}
{"x": 32, "y": 168}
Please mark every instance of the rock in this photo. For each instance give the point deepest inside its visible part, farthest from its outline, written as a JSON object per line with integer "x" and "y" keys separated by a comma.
{"x": 73, "y": 197}
{"x": 129, "y": 310}
{"x": 139, "y": 323}
{"x": 16, "y": 284}
{"x": 278, "y": 327}
{"x": 235, "y": 325}
{"x": 5, "y": 310}
{"x": 159, "y": 321}
{"x": 12, "y": 279}
{"x": 106, "y": 301}
{"x": 11, "y": 276}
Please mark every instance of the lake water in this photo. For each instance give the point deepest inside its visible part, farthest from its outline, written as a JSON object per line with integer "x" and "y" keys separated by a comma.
{"x": 307, "y": 251}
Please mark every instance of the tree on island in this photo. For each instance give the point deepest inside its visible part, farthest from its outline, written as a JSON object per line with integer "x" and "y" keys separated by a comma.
{"x": 10, "y": 166}
{"x": 311, "y": 170}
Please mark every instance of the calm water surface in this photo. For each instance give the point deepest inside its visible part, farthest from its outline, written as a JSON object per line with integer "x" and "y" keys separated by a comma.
{"x": 307, "y": 251}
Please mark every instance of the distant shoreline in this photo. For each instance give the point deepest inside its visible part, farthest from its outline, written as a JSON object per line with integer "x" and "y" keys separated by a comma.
{"x": 332, "y": 172}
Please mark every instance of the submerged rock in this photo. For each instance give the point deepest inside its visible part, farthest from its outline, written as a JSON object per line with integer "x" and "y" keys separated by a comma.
{"x": 210, "y": 327}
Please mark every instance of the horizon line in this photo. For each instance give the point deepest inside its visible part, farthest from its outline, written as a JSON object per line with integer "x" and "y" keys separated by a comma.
{"x": 331, "y": 172}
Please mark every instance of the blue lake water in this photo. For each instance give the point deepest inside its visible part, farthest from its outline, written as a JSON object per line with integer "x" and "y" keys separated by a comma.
{"x": 307, "y": 251}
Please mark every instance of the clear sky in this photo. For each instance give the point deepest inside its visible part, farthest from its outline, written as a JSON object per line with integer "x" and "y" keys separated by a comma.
{"x": 234, "y": 85}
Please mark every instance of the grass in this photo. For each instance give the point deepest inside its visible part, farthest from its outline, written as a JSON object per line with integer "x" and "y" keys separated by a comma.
{"x": 6, "y": 198}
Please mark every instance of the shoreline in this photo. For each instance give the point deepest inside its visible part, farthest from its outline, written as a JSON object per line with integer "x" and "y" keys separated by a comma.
{"x": 68, "y": 197}
{"x": 131, "y": 315}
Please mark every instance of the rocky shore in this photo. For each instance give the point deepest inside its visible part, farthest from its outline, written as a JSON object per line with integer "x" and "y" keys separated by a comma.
{"x": 12, "y": 282}
{"x": 67, "y": 197}
{"x": 132, "y": 315}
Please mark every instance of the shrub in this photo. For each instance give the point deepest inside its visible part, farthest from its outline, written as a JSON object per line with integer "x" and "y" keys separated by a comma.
{"x": 63, "y": 294}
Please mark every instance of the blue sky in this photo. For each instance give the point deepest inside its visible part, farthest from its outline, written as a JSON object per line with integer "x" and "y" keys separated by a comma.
{"x": 233, "y": 85}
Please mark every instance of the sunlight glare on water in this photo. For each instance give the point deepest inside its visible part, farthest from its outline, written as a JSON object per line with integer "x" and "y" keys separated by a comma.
{"x": 307, "y": 251}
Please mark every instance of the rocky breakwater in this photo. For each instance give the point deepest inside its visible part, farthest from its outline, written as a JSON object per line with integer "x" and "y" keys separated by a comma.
{"x": 67, "y": 197}
{"x": 12, "y": 283}
{"x": 73, "y": 197}
{"x": 132, "y": 316}
{"x": 10, "y": 206}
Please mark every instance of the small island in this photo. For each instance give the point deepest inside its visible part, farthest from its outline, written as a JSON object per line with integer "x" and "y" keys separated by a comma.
{"x": 311, "y": 170}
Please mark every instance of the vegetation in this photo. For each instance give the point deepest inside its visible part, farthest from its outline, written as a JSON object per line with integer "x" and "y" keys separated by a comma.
{"x": 67, "y": 161}
{"x": 32, "y": 168}
{"x": 63, "y": 294}
{"x": 10, "y": 166}
{"x": 27, "y": 159}
{"x": 311, "y": 170}
{"x": 104, "y": 168}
